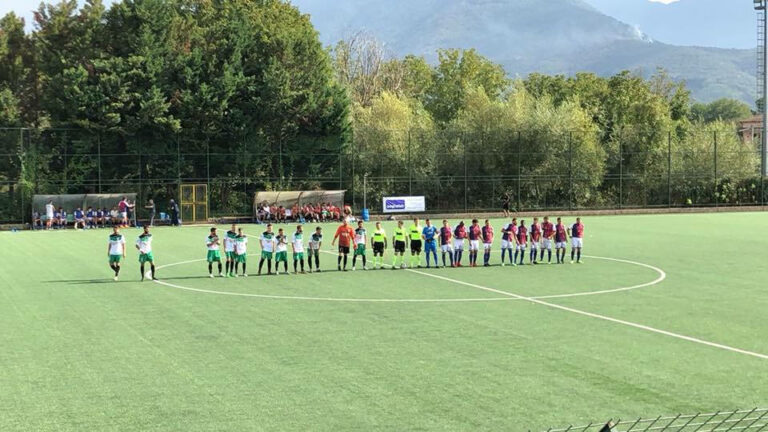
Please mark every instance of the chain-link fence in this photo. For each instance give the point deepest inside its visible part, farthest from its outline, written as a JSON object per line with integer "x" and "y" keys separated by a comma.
{"x": 754, "y": 420}
{"x": 457, "y": 171}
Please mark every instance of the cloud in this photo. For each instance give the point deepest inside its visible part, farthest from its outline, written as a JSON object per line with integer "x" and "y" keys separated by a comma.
{"x": 663, "y": 1}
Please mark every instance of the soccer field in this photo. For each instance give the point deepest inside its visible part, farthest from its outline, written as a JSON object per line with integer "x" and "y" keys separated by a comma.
{"x": 666, "y": 315}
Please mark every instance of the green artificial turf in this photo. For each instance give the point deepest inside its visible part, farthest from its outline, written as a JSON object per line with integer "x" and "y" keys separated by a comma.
{"x": 80, "y": 352}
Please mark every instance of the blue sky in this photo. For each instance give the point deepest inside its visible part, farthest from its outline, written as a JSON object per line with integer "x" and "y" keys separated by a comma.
{"x": 734, "y": 19}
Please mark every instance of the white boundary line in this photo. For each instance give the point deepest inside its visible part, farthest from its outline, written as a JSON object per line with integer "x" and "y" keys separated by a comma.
{"x": 509, "y": 296}
{"x": 601, "y": 317}
{"x": 662, "y": 276}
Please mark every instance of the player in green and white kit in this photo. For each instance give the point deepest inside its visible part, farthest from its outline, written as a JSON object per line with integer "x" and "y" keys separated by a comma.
{"x": 281, "y": 255}
{"x": 214, "y": 253}
{"x": 379, "y": 243}
{"x": 229, "y": 251}
{"x": 241, "y": 251}
{"x": 315, "y": 242}
{"x": 361, "y": 240}
{"x": 116, "y": 250}
{"x": 267, "y": 249}
{"x": 144, "y": 245}
{"x": 297, "y": 244}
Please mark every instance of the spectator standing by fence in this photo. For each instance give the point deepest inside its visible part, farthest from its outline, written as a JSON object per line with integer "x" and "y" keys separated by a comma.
{"x": 175, "y": 214}
{"x": 49, "y": 210}
{"x": 151, "y": 209}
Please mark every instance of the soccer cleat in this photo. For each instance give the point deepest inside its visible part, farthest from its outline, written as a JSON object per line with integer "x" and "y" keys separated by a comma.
{"x": 365, "y": 268}
{"x": 277, "y": 272}
{"x": 245, "y": 275}
{"x": 353, "y": 268}
{"x": 339, "y": 268}
{"x": 221, "y": 275}
{"x": 571, "y": 261}
{"x": 115, "y": 278}
{"x": 233, "y": 276}
{"x": 210, "y": 275}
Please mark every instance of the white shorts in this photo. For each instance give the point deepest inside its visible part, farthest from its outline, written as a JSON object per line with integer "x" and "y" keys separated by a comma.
{"x": 560, "y": 245}
{"x": 506, "y": 244}
{"x": 576, "y": 242}
{"x": 487, "y": 246}
{"x": 446, "y": 248}
{"x": 458, "y": 244}
{"x": 124, "y": 215}
{"x": 534, "y": 245}
{"x": 49, "y": 216}
{"x": 546, "y": 244}
{"x": 474, "y": 245}
{"x": 521, "y": 246}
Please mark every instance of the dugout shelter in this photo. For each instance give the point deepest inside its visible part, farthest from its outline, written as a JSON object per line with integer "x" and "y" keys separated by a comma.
{"x": 288, "y": 199}
{"x": 70, "y": 202}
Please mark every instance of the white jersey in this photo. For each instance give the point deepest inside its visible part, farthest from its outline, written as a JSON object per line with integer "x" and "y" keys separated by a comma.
{"x": 212, "y": 242}
{"x": 268, "y": 242}
{"x": 49, "y": 210}
{"x": 116, "y": 244}
{"x": 298, "y": 242}
{"x": 229, "y": 241}
{"x": 241, "y": 245}
{"x": 282, "y": 246}
{"x": 144, "y": 242}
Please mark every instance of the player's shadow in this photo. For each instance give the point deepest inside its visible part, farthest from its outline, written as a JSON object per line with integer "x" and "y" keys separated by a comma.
{"x": 87, "y": 281}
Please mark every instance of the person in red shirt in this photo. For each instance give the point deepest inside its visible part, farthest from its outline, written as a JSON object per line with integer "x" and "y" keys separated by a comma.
{"x": 474, "y": 242}
{"x": 487, "y": 233}
{"x": 345, "y": 234}
{"x": 577, "y": 236}
{"x": 548, "y": 229}
{"x": 446, "y": 233}
{"x": 561, "y": 237}
{"x": 459, "y": 234}
{"x": 535, "y": 240}
{"x": 522, "y": 241}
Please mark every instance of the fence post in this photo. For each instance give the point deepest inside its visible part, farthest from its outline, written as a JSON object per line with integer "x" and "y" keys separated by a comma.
{"x": 410, "y": 172}
{"x": 621, "y": 170}
{"x": 466, "y": 179}
{"x": 717, "y": 196}
{"x": 98, "y": 145}
{"x": 519, "y": 172}
{"x": 66, "y": 169}
{"x": 21, "y": 170}
{"x": 669, "y": 169}
{"x": 570, "y": 170}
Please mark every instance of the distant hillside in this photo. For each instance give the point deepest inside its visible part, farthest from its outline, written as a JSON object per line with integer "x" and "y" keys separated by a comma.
{"x": 552, "y": 36}
{"x": 717, "y": 23}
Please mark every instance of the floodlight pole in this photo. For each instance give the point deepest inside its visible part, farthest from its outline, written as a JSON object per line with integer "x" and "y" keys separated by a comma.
{"x": 760, "y": 5}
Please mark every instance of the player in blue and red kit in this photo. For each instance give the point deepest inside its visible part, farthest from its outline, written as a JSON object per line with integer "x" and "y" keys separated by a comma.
{"x": 548, "y": 229}
{"x": 577, "y": 236}
{"x": 487, "y": 232}
{"x": 561, "y": 237}
{"x": 535, "y": 240}
{"x": 445, "y": 242}
{"x": 506, "y": 244}
{"x": 459, "y": 234}
{"x": 474, "y": 242}
{"x": 430, "y": 244}
{"x": 522, "y": 241}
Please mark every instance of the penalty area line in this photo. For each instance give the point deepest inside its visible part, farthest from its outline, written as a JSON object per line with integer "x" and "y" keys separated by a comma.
{"x": 600, "y": 317}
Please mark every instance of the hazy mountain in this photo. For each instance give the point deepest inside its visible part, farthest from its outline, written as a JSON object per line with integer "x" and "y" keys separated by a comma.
{"x": 716, "y": 23}
{"x": 549, "y": 36}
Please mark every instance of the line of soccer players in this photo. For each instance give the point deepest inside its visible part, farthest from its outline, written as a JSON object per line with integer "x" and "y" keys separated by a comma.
{"x": 516, "y": 238}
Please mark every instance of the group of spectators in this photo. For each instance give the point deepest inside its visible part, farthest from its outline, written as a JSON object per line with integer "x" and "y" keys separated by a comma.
{"x": 318, "y": 212}
{"x": 122, "y": 215}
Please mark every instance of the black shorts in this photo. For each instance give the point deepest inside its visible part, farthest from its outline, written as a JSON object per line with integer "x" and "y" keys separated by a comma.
{"x": 416, "y": 246}
{"x": 378, "y": 248}
{"x": 505, "y": 206}
{"x": 399, "y": 246}
{"x": 344, "y": 250}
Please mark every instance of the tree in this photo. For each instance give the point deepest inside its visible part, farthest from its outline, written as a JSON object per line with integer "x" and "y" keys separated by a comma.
{"x": 727, "y": 110}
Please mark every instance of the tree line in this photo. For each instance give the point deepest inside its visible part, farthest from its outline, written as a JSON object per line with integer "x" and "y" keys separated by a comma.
{"x": 249, "y": 85}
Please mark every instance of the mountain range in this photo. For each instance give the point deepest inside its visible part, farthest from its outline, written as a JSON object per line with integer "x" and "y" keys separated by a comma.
{"x": 547, "y": 36}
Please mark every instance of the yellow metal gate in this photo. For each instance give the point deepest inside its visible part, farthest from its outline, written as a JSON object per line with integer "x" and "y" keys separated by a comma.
{"x": 194, "y": 202}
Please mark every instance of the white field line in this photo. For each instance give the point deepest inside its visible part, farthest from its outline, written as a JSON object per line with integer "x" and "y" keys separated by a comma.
{"x": 662, "y": 276}
{"x": 600, "y": 317}
{"x": 508, "y": 296}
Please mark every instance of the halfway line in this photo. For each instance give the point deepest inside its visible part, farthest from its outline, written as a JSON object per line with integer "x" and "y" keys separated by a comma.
{"x": 601, "y": 317}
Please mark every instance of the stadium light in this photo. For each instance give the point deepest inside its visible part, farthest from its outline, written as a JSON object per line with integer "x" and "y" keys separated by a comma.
{"x": 760, "y": 6}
